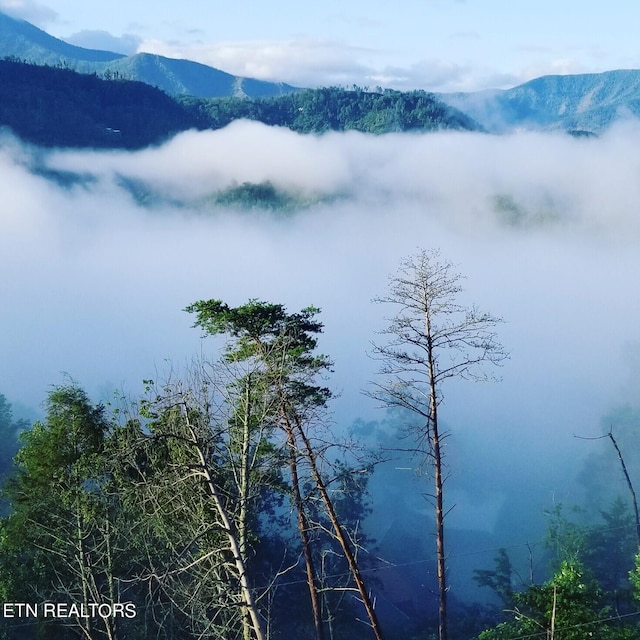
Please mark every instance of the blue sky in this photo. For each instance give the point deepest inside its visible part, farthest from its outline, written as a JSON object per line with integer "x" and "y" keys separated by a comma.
{"x": 439, "y": 45}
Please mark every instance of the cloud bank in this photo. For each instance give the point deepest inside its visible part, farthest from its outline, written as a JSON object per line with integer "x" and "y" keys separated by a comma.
{"x": 126, "y": 44}
{"x": 545, "y": 227}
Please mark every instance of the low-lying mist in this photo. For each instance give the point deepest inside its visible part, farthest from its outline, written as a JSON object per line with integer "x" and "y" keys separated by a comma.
{"x": 545, "y": 227}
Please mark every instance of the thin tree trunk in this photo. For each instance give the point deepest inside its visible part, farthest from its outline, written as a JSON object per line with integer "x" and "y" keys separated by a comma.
{"x": 440, "y": 553}
{"x": 303, "y": 527}
{"x": 433, "y": 434}
{"x": 634, "y": 500}
{"x": 244, "y": 490}
{"x": 339, "y": 533}
{"x": 80, "y": 557}
{"x": 110, "y": 623}
{"x": 245, "y": 591}
{"x": 552, "y": 630}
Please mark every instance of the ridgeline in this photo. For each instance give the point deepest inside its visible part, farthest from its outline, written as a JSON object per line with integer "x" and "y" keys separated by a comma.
{"x": 58, "y": 107}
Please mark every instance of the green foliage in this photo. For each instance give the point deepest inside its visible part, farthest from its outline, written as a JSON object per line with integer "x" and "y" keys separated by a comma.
{"x": 58, "y": 461}
{"x": 10, "y": 430}
{"x": 263, "y": 195}
{"x": 56, "y": 540}
{"x": 56, "y": 107}
{"x": 337, "y": 109}
{"x": 261, "y": 328}
{"x": 634, "y": 576}
{"x": 498, "y": 579}
{"x": 567, "y": 607}
{"x": 566, "y": 539}
{"x": 605, "y": 548}
{"x": 611, "y": 547}
{"x": 589, "y": 593}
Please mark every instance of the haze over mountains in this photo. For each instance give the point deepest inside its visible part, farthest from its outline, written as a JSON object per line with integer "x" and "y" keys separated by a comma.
{"x": 587, "y": 102}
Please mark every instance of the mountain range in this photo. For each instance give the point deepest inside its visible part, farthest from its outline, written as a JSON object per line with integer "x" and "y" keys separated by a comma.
{"x": 587, "y": 103}
{"x": 20, "y": 40}
{"x": 580, "y": 104}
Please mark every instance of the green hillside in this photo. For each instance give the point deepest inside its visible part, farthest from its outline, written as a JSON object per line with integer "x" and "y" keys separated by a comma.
{"x": 586, "y": 103}
{"x": 23, "y": 40}
{"x": 187, "y": 78}
{"x": 57, "y": 107}
{"x": 337, "y": 109}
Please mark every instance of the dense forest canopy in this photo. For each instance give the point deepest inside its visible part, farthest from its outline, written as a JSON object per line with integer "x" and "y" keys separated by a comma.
{"x": 338, "y": 109}
{"x": 57, "y": 107}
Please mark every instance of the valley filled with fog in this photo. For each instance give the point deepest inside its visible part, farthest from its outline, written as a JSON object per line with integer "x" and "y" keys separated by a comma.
{"x": 101, "y": 251}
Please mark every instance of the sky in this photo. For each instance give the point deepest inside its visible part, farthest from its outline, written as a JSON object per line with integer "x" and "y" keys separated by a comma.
{"x": 436, "y": 45}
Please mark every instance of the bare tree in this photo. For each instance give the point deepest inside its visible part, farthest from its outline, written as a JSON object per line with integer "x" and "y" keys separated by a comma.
{"x": 193, "y": 475}
{"x": 627, "y": 477}
{"x": 432, "y": 338}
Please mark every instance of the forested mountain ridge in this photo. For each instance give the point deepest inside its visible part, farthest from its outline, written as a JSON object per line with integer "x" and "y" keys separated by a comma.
{"x": 184, "y": 77}
{"x": 576, "y": 103}
{"x": 53, "y": 106}
{"x": 588, "y": 102}
{"x": 21, "y": 40}
{"x": 338, "y": 109}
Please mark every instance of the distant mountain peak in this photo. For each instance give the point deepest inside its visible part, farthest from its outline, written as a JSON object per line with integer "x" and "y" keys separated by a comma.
{"x": 588, "y": 102}
{"x": 22, "y": 40}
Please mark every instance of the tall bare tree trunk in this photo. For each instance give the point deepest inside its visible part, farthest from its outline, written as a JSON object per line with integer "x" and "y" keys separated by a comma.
{"x": 634, "y": 500}
{"x": 338, "y": 531}
{"x": 434, "y": 436}
{"x": 303, "y": 528}
{"x": 244, "y": 490}
{"x": 234, "y": 546}
{"x": 433, "y": 338}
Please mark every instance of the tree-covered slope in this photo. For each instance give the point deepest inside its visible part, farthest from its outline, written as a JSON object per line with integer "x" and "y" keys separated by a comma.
{"x": 184, "y": 77}
{"x": 337, "y": 109}
{"x": 587, "y": 102}
{"x": 52, "y": 106}
{"x": 56, "y": 107}
{"x": 23, "y": 41}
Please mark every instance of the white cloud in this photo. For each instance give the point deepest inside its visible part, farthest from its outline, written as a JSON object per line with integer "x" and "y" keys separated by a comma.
{"x": 554, "y": 66}
{"x": 96, "y": 39}
{"x": 313, "y": 63}
{"x": 306, "y": 165}
{"x": 298, "y": 62}
{"x": 29, "y": 10}
{"x": 431, "y": 75}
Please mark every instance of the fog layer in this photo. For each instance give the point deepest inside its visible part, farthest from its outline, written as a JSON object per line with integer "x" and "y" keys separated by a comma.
{"x": 545, "y": 227}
